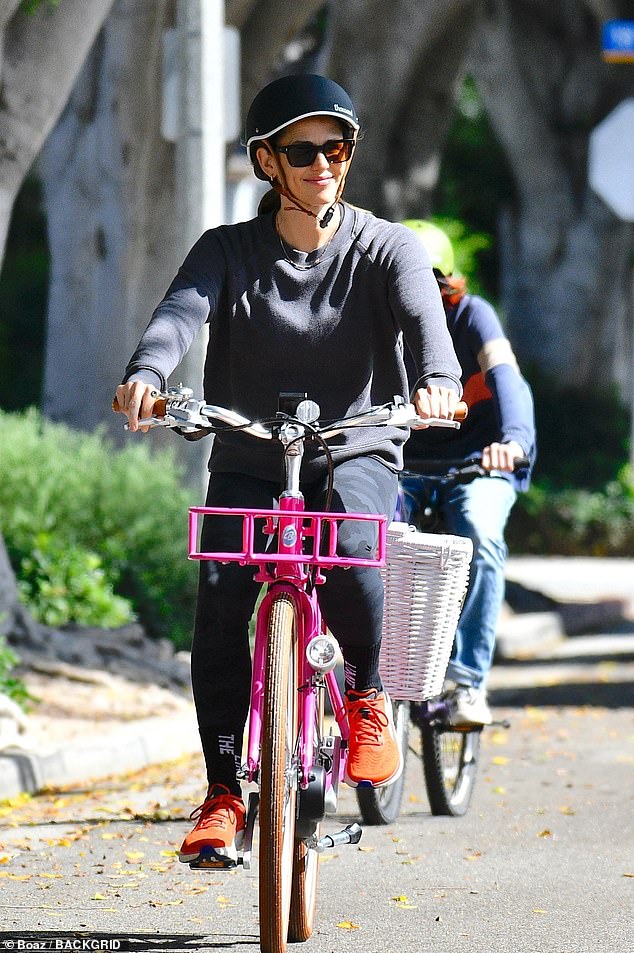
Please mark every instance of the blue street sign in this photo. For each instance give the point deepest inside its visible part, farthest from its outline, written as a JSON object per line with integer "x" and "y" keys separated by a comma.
{"x": 617, "y": 41}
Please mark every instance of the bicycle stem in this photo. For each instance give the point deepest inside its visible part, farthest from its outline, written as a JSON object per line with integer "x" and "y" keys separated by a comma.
{"x": 291, "y": 437}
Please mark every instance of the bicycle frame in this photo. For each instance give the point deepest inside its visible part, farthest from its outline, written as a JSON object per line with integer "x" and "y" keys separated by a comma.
{"x": 286, "y": 570}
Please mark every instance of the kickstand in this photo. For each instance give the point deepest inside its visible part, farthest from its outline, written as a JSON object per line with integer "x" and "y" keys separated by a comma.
{"x": 249, "y": 827}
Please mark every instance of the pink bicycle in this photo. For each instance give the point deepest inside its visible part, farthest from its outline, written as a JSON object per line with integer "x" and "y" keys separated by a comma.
{"x": 296, "y": 762}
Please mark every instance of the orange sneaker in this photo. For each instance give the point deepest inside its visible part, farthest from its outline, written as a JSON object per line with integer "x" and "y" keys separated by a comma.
{"x": 374, "y": 757}
{"x": 219, "y": 830}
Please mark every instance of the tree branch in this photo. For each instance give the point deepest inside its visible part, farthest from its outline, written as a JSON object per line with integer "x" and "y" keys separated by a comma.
{"x": 378, "y": 59}
{"x": 57, "y": 41}
{"x": 238, "y": 11}
{"x": 271, "y": 25}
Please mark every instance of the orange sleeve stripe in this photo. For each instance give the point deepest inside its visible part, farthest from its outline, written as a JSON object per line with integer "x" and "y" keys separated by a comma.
{"x": 475, "y": 390}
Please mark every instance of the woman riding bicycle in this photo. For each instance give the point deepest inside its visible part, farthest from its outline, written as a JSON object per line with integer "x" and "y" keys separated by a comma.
{"x": 311, "y": 296}
{"x": 501, "y": 429}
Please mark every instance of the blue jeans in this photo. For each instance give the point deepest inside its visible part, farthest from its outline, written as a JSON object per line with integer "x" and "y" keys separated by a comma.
{"x": 479, "y": 510}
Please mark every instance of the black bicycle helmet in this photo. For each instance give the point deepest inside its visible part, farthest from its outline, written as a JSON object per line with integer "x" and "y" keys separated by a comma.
{"x": 290, "y": 98}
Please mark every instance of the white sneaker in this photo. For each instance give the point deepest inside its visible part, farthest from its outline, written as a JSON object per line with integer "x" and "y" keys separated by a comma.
{"x": 468, "y": 706}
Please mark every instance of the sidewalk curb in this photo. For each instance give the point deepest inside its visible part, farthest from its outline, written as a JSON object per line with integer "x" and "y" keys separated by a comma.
{"x": 130, "y": 748}
{"x": 525, "y": 634}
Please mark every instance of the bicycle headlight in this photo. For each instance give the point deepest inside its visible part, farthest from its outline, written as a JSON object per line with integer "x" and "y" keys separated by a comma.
{"x": 321, "y": 653}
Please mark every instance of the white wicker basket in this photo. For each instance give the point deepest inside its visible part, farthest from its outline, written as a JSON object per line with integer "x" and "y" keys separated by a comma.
{"x": 425, "y": 578}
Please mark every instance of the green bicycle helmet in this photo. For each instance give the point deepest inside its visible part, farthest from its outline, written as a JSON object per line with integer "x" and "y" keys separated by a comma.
{"x": 289, "y": 99}
{"x": 436, "y": 244}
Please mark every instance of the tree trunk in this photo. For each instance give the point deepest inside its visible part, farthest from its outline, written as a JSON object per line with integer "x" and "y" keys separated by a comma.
{"x": 400, "y": 67}
{"x": 268, "y": 28}
{"x": 43, "y": 54}
{"x": 16, "y": 622}
{"x": 113, "y": 232}
{"x": 567, "y": 289}
{"x": 8, "y": 591}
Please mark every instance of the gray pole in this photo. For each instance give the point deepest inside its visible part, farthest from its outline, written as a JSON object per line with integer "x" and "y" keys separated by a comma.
{"x": 200, "y": 162}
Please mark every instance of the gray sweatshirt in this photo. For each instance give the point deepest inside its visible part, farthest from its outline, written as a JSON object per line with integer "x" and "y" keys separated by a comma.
{"x": 329, "y": 323}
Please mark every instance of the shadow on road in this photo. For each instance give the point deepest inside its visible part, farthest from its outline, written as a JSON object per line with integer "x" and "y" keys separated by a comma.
{"x": 575, "y": 693}
{"x": 576, "y": 618}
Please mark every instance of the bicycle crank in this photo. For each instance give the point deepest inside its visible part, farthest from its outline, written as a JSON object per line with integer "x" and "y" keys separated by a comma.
{"x": 349, "y": 835}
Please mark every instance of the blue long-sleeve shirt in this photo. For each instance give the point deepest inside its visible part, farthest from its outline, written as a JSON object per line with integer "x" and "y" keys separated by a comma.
{"x": 500, "y": 401}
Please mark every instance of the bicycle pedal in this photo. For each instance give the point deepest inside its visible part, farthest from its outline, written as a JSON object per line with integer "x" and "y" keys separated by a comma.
{"x": 208, "y": 859}
{"x": 349, "y": 835}
{"x": 503, "y": 723}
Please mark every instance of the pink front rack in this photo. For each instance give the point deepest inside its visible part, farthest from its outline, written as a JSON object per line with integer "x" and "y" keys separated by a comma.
{"x": 299, "y": 528}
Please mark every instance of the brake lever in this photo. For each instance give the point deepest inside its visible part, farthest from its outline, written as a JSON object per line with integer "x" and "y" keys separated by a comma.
{"x": 405, "y": 415}
{"x": 167, "y": 421}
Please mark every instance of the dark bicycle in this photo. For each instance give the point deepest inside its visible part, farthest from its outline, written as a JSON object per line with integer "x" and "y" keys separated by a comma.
{"x": 449, "y": 753}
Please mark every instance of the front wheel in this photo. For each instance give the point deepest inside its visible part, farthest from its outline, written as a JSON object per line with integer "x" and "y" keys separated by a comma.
{"x": 306, "y": 860}
{"x": 278, "y": 776}
{"x": 450, "y": 765}
{"x": 382, "y": 805}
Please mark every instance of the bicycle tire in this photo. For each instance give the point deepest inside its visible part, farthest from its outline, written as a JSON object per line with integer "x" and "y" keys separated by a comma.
{"x": 277, "y": 795}
{"x": 383, "y": 805}
{"x": 450, "y": 765}
{"x": 306, "y": 863}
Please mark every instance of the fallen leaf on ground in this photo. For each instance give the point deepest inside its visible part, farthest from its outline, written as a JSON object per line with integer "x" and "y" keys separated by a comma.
{"x": 134, "y": 856}
{"x": 498, "y": 738}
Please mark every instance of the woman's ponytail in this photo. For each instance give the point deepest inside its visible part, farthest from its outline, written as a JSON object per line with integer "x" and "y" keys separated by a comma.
{"x": 270, "y": 202}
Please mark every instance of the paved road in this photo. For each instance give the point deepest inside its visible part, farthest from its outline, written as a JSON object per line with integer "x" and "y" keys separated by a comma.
{"x": 543, "y": 863}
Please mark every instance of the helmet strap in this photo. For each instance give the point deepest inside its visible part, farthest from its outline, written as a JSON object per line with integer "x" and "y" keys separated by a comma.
{"x": 325, "y": 220}
{"x": 282, "y": 189}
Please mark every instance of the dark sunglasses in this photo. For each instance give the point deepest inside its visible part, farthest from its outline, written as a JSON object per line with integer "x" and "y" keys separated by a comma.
{"x": 300, "y": 154}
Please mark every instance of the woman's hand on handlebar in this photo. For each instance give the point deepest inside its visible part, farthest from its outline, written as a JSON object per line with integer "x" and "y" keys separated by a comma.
{"x": 136, "y": 400}
{"x": 435, "y": 401}
{"x": 502, "y": 456}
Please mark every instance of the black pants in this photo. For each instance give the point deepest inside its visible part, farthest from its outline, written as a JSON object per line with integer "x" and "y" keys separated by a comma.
{"x": 351, "y": 600}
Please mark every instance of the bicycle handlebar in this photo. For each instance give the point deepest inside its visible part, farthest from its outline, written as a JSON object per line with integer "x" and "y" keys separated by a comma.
{"x": 190, "y": 414}
{"x": 456, "y": 468}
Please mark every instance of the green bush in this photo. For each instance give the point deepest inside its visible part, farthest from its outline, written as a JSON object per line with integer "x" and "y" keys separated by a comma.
{"x": 575, "y": 522}
{"x": 9, "y": 684}
{"x": 63, "y": 584}
{"x": 126, "y": 507}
